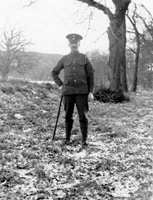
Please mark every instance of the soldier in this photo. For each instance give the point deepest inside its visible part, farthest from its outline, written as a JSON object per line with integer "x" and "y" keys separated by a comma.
{"x": 77, "y": 86}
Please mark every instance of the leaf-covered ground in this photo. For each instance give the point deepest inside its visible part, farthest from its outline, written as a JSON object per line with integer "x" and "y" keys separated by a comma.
{"x": 117, "y": 164}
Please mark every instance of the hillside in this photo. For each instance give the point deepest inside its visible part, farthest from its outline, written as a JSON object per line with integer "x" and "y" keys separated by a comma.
{"x": 117, "y": 164}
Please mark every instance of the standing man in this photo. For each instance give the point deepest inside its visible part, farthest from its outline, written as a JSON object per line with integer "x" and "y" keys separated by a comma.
{"x": 77, "y": 86}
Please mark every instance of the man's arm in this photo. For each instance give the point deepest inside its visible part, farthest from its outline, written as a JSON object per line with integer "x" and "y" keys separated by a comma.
{"x": 56, "y": 71}
{"x": 91, "y": 74}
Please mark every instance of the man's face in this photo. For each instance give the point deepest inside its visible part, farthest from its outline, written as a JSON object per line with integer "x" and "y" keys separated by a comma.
{"x": 74, "y": 46}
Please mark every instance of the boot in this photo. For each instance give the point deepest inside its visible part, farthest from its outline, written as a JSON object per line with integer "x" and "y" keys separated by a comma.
{"x": 68, "y": 127}
{"x": 84, "y": 130}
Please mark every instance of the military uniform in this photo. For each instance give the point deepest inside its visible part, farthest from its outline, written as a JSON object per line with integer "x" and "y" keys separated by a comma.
{"x": 77, "y": 84}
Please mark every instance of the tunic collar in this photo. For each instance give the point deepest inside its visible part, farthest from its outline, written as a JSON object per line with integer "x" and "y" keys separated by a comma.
{"x": 75, "y": 53}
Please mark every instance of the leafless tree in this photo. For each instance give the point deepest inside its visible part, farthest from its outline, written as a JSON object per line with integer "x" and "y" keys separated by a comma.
{"x": 133, "y": 21}
{"x": 12, "y": 49}
{"x": 143, "y": 43}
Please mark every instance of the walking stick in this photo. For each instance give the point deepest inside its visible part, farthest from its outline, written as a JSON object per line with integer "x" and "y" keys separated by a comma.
{"x": 57, "y": 118}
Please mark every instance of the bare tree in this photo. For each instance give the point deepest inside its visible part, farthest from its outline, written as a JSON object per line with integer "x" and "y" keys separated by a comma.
{"x": 12, "y": 48}
{"x": 143, "y": 44}
{"x": 147, "y": 46}
{"x": 137, "y": 51}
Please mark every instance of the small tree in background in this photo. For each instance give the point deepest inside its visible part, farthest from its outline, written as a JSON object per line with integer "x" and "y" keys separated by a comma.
{"x": 12, "y": 53}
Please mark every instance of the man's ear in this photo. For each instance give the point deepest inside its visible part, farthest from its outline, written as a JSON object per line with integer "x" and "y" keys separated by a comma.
{"x": 69, "y": 44}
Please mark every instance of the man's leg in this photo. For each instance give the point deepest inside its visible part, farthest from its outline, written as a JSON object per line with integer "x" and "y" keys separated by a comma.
{"x": 82, "y": 107}
{"x": 68, "y": 101}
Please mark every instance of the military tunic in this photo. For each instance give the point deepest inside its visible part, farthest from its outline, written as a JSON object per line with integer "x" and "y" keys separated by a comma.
{"x": 78, "y": 74}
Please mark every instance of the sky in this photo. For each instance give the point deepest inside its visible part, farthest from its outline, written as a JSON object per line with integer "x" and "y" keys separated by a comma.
{"x": 47, "y": 22}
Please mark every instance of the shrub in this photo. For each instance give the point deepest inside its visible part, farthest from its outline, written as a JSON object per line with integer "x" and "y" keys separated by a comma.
{"x": 106, "y": 95}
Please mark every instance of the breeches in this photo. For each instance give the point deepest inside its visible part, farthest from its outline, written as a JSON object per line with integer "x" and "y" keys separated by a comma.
{"x": 81, "y": 102}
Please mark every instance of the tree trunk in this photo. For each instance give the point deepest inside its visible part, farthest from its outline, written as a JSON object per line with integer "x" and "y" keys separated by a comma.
{"x": 117, "y": 59}
{"x": 123, "y": 64}
{"x": 123, "y": 76}
{"x": 135, "y": 74}
{"x": 137, "y": 53}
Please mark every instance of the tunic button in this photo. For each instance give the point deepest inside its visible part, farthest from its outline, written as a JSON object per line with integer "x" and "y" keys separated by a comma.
{"x": 74, "y": 80}
{"x": 73, "y": 61}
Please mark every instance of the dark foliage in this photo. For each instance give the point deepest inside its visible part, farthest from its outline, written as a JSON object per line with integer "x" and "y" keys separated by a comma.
{"x": 107, "y": 96}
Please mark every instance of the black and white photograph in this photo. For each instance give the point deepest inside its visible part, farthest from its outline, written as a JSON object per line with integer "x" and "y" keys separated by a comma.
{"x": 76, "y": 100}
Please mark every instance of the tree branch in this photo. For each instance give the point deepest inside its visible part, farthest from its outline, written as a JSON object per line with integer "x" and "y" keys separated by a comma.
{"x": 30, "y": 3}
{"x": 99, "y": 6}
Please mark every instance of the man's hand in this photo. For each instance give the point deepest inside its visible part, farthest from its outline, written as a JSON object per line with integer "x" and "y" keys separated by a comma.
{"x": 90, "y": 96}
{"x": 60, "y": 89}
